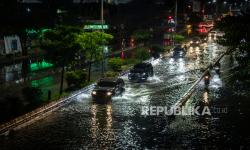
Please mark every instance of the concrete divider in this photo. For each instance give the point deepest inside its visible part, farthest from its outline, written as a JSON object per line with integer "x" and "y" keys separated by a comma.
{"x": 190, "y": 91}
{"x": 40, "y": 112}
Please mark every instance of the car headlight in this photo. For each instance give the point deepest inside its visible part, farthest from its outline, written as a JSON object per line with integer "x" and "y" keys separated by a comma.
{"x": 109, "y": 93}
{"x": 94, "y": 92}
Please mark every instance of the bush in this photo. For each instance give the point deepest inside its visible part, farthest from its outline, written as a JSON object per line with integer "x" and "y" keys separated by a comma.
{"x": 131, "y": 61}
{"x": 179, "y": 38}
{"x": 115, "y": 64}
{"x": 142, "y": 35}
{"x": 142, "y": 54}
{"x": 157, "y": 48}
{"x": 76, "y": 78}
{"x": 111, "y": 74}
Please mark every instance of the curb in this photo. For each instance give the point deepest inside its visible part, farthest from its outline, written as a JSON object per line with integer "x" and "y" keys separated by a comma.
{"x": 39, "y": 113}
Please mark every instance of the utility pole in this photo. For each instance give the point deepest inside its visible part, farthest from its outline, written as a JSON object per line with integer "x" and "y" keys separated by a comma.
{"x": 175, "y": 19}
{"x": 102, "y": 22}
{"x": 176, "y": 9}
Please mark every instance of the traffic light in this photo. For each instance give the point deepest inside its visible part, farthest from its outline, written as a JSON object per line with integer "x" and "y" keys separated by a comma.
{"x": 170, "y": 17}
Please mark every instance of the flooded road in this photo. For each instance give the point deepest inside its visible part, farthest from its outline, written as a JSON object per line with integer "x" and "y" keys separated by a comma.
{"x": 227, "y": 127}
{"x": 82, "y": 124}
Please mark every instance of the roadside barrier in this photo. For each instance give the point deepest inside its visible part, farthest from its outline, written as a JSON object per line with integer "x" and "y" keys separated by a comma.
{"x": 40, "y": 112}
{"x": 190, "y": 91}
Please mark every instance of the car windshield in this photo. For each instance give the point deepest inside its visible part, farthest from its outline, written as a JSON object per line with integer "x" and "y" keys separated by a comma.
{"x": 196, "y": 39}
{"x": 106, "y": 84}
{"x": 137, "y": 70}
{"x": 178, "y": 49}
{"x": 140, "y": 66}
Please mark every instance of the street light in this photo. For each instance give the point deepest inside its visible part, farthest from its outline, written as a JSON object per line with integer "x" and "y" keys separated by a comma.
{"x": 28, "y": 10}
{"x": 102, "y": 22}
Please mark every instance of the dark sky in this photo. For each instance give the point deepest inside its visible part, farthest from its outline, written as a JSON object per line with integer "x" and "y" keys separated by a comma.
{"x": 118, "y": 1}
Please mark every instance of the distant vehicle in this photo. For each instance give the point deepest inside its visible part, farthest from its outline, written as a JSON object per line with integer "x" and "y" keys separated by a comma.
{"x": 179, "y": 52}
{"x": 207, "y": 78}
{"x": 106, "y": 88}
{"x": 141, "y": 72}
{"x": 212, "y": 33}
{"x": 195, "y": 42}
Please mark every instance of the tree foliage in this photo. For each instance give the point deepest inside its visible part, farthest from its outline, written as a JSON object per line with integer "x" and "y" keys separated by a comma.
{"x": 60, "y": 44}
{"x": 142, "y": 54}
{"x": 142, "y": 35}
{"x": 237, "y": 31}
{"x": 76, "y": 78}
{"x": 91, "y": 44}
{"x": 116, "y": 64}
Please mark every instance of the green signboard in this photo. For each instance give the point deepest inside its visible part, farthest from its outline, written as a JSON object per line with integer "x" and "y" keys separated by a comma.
{"x": 35, "y": 31}
{"x": 40, "y": 65}
{"x": 96, "y": 27}
{"x": 46, "y": 81}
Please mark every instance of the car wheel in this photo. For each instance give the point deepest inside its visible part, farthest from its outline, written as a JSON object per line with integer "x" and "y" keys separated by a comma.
{"x": 122, "y": 91}
{"x": 152, "y": 73}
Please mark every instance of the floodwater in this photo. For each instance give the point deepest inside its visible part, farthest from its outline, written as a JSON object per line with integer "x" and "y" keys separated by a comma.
{"x": 83, "y": 124}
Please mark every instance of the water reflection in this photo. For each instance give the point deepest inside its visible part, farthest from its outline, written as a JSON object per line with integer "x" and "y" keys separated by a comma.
{"x": 101, "y": 125}
{"x": 205, "y": 97}
{"x": 216, "y": 81}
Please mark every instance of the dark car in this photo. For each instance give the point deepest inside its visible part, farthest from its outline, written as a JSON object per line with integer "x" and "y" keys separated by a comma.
{"x": 108, "y": 87}
{"x": 179, "y": 52}
{"x": 141, "y": 72}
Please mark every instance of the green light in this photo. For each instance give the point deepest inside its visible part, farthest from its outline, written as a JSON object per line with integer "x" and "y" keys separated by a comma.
{"x": 96, "y": 27}
{"x": 35, "y": 31}
{"x": 40, "y": 65}
{"x": 47, "y": 81}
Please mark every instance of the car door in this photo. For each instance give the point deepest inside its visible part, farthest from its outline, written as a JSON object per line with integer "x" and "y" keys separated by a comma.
{"x": 120, "y": 85}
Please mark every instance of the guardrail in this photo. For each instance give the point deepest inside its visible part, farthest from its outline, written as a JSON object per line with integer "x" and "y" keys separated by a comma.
{"x": 41, "y": 111}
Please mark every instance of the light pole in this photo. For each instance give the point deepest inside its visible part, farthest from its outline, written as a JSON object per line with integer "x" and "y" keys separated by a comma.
{"x": 102, "y": 22}
{"x": 176, "y": 7}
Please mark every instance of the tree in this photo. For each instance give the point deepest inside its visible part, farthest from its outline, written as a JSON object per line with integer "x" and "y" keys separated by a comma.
{"x": 61, "y": 46}
{"x": 92, "y": 46}
{"x": 237, "y": 38}
{"x": 237, "y": 32}
{"x": 116, "y": 64}
{"x": 142, "y": 36}
{"x": 142, "y": 54}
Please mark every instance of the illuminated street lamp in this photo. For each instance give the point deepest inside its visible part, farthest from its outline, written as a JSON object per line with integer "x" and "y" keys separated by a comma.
{"x": 28, "y": 10}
